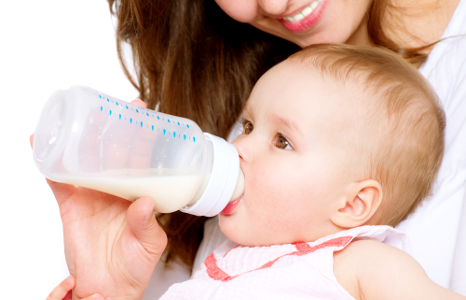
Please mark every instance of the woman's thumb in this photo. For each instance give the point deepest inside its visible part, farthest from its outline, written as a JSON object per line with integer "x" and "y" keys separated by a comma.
{"x": 143, "y": 224}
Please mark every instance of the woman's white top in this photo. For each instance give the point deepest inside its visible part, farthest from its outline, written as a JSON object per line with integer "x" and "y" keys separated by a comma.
{"x": 290, "y": 271}
{"x": 436, "y": 232}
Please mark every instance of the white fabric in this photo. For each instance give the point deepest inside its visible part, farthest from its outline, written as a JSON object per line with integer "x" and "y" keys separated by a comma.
{"x": 163, "y": 278}
{"x": 213, "y": 237}
{"x": 458, "y": 273}
{"x": 434, "y": 230}
{"x": 291, "y": 271}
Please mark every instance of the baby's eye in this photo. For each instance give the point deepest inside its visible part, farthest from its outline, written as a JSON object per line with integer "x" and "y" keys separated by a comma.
{"x": 281, "y": 142}
{"x": 247, "y": 127}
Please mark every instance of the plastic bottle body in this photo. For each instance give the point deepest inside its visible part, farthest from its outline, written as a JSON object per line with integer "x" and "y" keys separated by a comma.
{"x": 89, "y": 139}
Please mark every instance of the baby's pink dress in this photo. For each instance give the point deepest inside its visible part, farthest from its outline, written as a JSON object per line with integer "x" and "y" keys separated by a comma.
{"x": 291, "y": 271}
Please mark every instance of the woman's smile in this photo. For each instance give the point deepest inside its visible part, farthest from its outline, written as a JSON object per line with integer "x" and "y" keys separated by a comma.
{"x": 304, "y": 22}
{"x": 305, "y": 18}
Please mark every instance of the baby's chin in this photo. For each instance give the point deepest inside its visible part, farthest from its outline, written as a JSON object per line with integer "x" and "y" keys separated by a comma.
{"x": 232, "y": 229}
{"x": 238, "y": 231}
{"x": 227, "y": 226}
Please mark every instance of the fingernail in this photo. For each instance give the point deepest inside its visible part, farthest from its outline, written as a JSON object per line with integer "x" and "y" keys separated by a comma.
{"x": 148, "y": 216}
{"x": 98, "y": 297}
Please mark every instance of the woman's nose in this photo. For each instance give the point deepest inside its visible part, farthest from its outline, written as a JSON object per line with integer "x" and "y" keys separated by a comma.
{"x": 273, "y": 7}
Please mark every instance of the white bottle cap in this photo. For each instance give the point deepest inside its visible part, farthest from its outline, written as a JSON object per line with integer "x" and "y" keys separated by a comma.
{"x": 223, "y": 179}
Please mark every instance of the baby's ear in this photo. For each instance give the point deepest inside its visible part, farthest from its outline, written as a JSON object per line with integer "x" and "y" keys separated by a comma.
{"x": 358, "y": 205}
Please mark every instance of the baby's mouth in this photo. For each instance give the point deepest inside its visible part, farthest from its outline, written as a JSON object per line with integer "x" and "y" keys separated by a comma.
{"x": 231, "y": 206}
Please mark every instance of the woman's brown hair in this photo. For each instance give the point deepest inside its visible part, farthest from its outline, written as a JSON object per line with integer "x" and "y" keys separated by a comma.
{"x": 194, "y": 61}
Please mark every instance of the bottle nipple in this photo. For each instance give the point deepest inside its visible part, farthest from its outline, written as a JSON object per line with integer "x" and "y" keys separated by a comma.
{"x": 239, "y": 189}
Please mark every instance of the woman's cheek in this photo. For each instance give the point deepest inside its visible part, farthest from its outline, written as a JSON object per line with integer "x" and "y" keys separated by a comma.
{"x": 244, "y": 11}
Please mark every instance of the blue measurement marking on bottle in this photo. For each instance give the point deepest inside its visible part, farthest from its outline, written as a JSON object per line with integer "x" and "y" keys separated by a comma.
{"x": 147, "y": 125}
{"x": 194, "y": 139}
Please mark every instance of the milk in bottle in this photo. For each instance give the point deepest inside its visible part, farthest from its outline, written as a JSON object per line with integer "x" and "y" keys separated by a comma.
{"x": 90, "y": 139}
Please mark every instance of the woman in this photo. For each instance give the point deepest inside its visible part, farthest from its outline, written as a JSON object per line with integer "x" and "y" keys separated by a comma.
{"x": 199, "y": 60}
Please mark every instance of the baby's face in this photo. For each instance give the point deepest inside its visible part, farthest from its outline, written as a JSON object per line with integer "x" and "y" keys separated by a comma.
{"x": 292, "y": 157}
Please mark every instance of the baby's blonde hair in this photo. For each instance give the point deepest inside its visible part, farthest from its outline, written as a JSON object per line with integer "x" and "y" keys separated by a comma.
{"x": 401, "y": 142}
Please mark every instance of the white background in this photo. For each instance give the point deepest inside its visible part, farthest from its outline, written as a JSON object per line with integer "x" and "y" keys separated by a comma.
{"x": 44, "y": 46}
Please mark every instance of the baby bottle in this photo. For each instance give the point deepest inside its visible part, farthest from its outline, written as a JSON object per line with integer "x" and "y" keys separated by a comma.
{"x": 89, "y": 139}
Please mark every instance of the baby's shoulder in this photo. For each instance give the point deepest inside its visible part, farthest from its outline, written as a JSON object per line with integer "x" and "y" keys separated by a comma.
{"x": 361, "y": 260}
{"x": 347, "y": 264}
{"x": 360, "y": 250}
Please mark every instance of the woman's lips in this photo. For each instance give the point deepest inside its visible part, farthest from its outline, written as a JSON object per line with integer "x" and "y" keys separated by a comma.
{"x": 293, "y": 23}
{"x": 231, "y": 206}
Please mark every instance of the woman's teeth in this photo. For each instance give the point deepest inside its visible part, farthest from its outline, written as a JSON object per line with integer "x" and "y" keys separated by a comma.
{"x": 303, "y": 13}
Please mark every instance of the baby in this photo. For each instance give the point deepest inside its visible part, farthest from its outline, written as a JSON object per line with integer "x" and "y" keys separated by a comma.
{"x": 338, "y": 142}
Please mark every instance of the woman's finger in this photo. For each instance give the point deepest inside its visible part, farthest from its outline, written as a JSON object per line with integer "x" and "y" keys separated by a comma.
{"x": 144, "y": 225}
{"x": 139, "y": 103}
{"x": 93, "y": 297}
{"x": 61, "y": 291}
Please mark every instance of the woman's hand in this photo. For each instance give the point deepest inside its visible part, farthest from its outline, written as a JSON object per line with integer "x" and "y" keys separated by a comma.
{"x": 63, "y": 291}
{"x": 111, "y": 245}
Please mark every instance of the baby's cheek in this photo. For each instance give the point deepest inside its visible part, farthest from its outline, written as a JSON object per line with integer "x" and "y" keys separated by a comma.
{"x": 270, "y": 196}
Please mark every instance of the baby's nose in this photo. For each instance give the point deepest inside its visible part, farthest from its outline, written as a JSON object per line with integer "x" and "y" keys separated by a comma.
{"x": 241, "y": 146}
